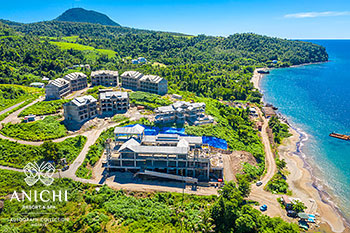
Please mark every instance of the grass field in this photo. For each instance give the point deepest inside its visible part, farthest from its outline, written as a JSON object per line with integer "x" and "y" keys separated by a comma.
{"x": 75, "y": 46}
{"x": 49, "y": 128}
{"x": 11, "y": 94}
{"x": 44, "y": 107}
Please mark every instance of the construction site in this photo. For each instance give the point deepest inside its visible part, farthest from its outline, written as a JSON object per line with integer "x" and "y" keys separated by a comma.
{"x": 168, "y": 156}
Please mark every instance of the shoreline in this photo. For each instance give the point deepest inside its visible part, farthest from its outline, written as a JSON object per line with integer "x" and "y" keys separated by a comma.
{"x": 301, "y": 180}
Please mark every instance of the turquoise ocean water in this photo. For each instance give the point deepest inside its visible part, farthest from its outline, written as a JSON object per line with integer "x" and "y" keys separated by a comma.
{"x": 316, "y": 100}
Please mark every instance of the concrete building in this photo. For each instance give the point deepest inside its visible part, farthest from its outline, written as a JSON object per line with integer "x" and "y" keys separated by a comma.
{"x": 181, "y": 111}
{"x": 153, "y": 84}
{"x": 107, "y": 78}
{"x": 130, "y": 79}
{"x": 163, "y": 153}
{"x": 80, "y": 109}
{"x": 148, "y": 83}
{"x": 77, "y": 80}
{"x": 57, "y": 88}
{"x": 113, "y": 102}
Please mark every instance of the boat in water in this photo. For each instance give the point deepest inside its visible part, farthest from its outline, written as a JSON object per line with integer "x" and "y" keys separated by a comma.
{"x": 340, "y": 136}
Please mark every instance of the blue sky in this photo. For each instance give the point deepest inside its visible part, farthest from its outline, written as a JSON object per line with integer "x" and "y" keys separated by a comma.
{"x": 282, "y": 18}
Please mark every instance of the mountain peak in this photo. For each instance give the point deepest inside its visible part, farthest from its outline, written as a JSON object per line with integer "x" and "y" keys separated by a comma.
{"x": 85, "y": 16}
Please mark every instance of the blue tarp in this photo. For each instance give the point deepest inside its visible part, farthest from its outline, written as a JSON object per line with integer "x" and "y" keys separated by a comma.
{"x": 211, "y": 141}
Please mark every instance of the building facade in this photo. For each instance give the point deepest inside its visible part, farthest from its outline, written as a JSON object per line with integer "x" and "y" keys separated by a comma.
{"x": 181, "y": 111}
{"x": 113, "y": 102}
{"x": 107, "y": 78}
{"x": 57, "y": 88}
{"x": 153, "y": 84}
{"x": 77, "y": 80}
{"x": 80, "y": 109}
{"x": 164, "y": 153}
{"x": 136, "y": 81}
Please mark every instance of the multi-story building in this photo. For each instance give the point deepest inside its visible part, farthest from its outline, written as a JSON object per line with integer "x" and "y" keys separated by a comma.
{"x": 107, "y": 78}
{"x": 77, "y": 80}
{"x": 153, "y": 84}
{"x": 130, "y": 79}
{"x": 148, "y": 83}
{"x": 113, "y": 102}
{"x": 80, "y": 109}
{"x": 181, "y": 111}
{"x": 57, "y": 88}
{"x": 165, "y": 155}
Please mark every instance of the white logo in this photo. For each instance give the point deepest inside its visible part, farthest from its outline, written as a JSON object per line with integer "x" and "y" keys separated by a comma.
{"x": 44, "y": 173}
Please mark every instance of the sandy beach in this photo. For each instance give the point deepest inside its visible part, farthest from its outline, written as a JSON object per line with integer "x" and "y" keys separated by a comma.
{"x": 301, "y": 181}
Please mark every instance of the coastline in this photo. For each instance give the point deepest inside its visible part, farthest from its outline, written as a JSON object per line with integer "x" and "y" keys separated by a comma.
{"x": 301, "y": 181}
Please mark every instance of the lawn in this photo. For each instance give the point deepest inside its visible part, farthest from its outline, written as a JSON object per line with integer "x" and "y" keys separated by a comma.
{"x": 46, "y": 129}
{"x": 44, "y": 107}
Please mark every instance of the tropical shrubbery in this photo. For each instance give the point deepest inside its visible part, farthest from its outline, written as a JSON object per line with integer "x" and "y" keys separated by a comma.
{"x": 18, "y": 155}
{"x": 279, "y": 129}
{"x": 44, "y": 107}
{"x": 94, "y": 154}
{"x": 14, "y": 94}
{"x": 48, "y": 128}
{"x": 107, "y": 210}
{"x": 148, "y": 99}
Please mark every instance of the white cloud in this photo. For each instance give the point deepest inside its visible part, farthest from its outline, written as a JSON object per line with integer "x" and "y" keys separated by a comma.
{"x": 317, "y": 14}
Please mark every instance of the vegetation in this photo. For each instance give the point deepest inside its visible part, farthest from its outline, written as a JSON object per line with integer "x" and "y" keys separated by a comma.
{"x": 298, "y": 206}
{"x": 14, "y": 94}
{"x": 148, "y": 100}
{"x": 106, "y": 210}
{"x": 18, "y": 155}
{"x": 48, "y": 128}
{"x": 44, "y": 107}
{"x": 94, "y": 154}
{"x": 82, "y": 15}
{"x": 234, "y": 126}
{"x": 279, "y": 129}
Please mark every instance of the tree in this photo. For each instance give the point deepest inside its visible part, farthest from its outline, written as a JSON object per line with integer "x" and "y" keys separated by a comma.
{"x": 50, "y": 151}
{"x": 243, "y": 185}
{"x": 298, "y": 206}
{"x": 245, "y": 223}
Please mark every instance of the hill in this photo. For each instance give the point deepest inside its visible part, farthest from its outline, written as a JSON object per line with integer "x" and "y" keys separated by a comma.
{"x": 85, "y": 16}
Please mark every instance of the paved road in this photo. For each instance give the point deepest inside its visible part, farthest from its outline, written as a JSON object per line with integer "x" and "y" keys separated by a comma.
{"x": 10, "y": 108}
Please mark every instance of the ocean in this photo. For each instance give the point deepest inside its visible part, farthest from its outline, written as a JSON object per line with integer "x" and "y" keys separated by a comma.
{"x": 316, "y": 101}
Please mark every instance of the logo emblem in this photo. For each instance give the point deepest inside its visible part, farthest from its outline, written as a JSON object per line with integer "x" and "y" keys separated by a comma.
{"x": 34, "y": 173}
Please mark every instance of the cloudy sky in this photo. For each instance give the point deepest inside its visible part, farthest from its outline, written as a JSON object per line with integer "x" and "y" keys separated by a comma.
{"x": 302, "y": 19}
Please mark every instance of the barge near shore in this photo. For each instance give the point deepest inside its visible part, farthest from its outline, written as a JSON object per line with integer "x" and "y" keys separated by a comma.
{"x": 340, "y": 136}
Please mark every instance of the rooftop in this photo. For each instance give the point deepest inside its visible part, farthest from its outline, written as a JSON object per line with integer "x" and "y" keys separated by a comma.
{"x": 132, "y": 74}
{"x": 151, "y": 78}
{"x": 134, "y": 146}
{"x": 59, "y": 82}
{"x": 136, "y": 129}
{"x": 115, "y": 94}
{"x": 75, "y": 75}
{"x": 80, "y": 101}
{"x": 104, "y": 72}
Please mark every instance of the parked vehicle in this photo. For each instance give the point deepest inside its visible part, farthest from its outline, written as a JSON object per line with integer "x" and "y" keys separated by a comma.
{"x": 263, "y": 207}
{"x": 65, "y": 168}
{"x": 292, "y": 214}
{"x": 259, "y": 183}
